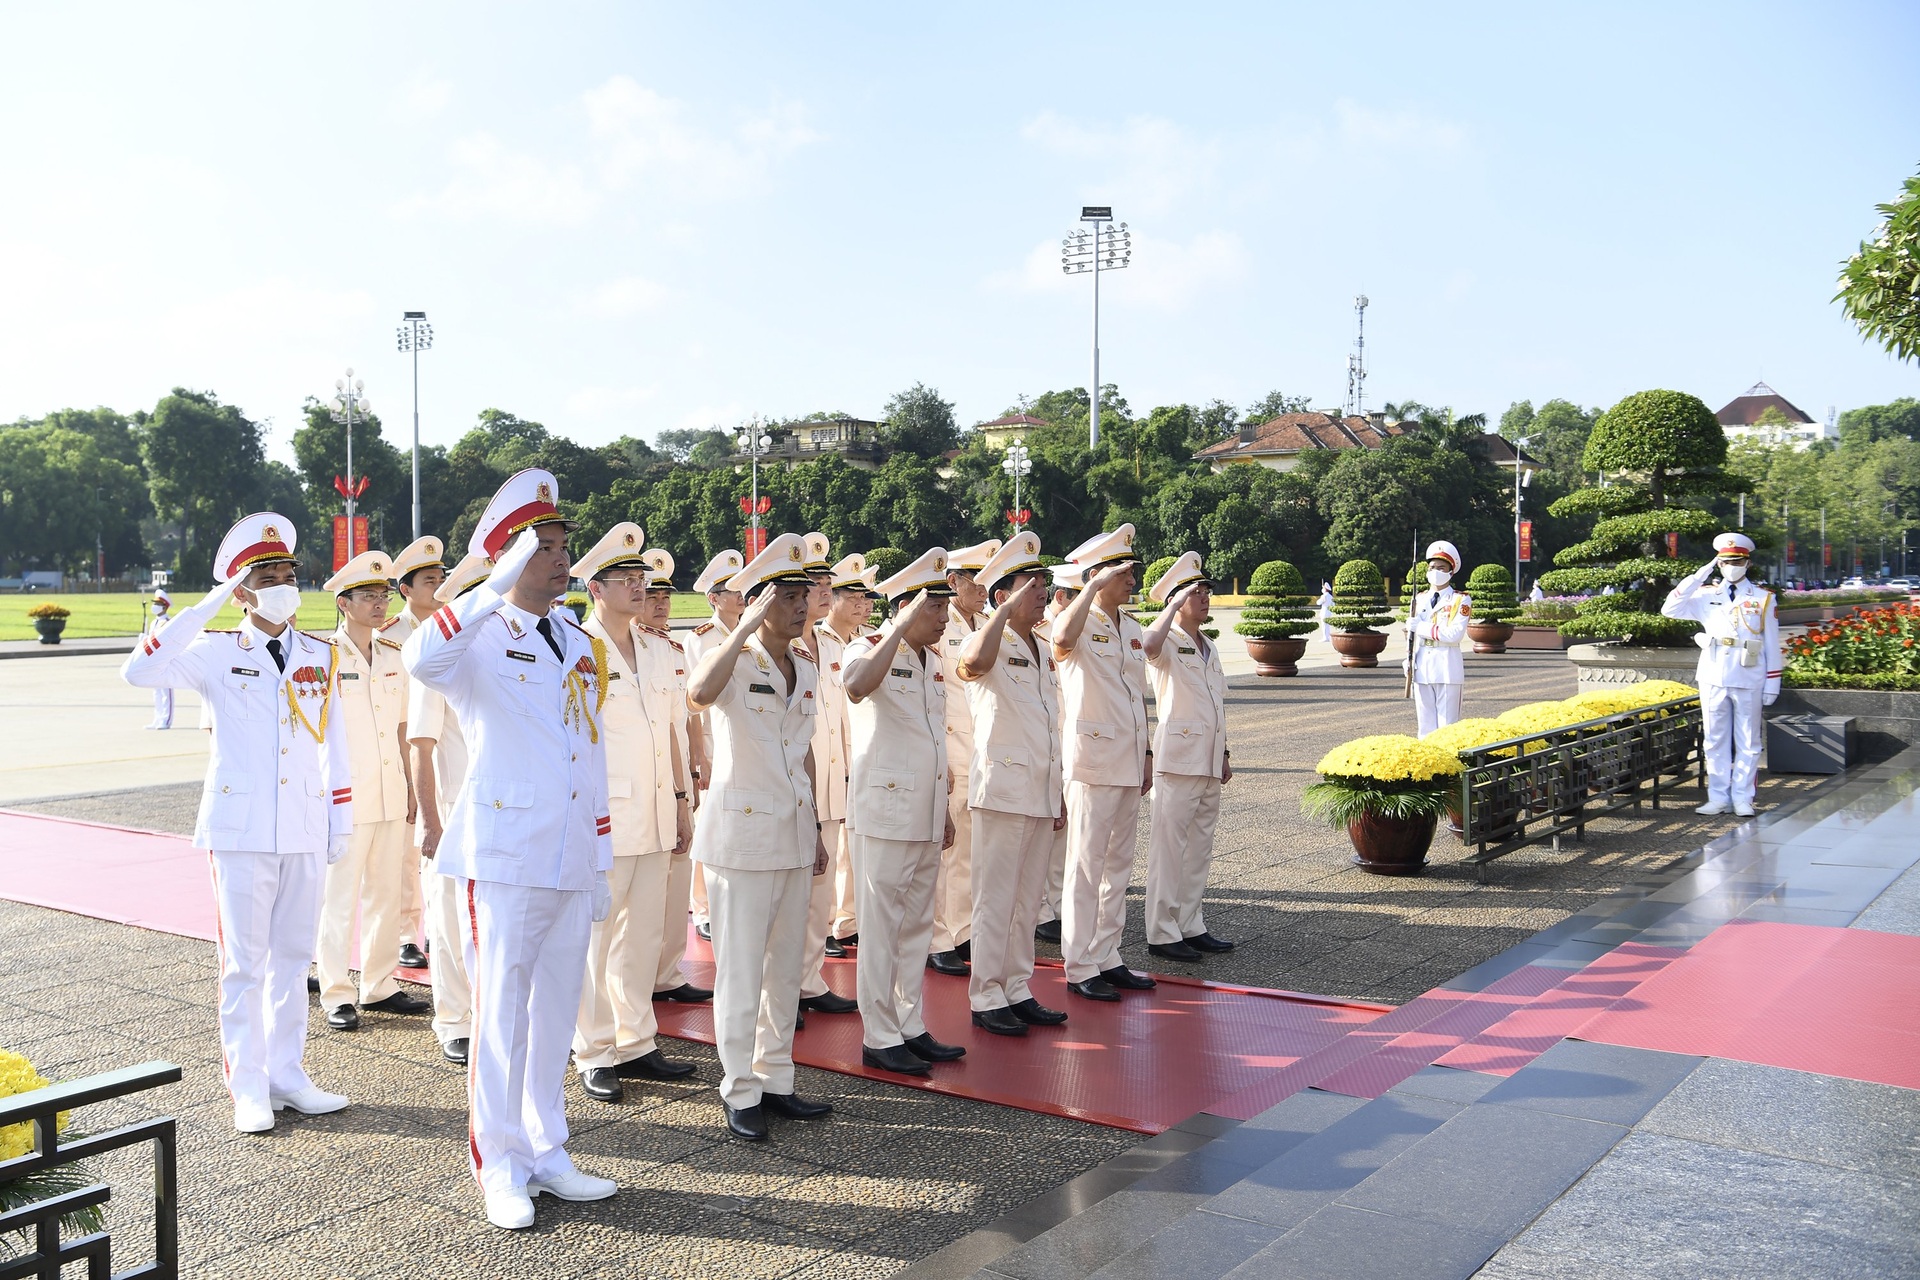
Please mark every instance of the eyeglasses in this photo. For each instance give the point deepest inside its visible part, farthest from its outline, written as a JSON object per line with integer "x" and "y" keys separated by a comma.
{"x": 626, "y": 580}
{"x": 367, "y": 595}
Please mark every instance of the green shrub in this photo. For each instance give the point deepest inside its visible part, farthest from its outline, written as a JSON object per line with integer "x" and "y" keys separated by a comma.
{"x": 1278, "y": 606}
{"x": 1359, "y": 598}
{"x": 888, "y": 560}
{"x": 1148, "y": 609}
{"x": 1491, "y": 587}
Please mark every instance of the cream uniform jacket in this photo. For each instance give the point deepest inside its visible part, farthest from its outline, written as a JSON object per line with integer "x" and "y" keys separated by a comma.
{"x": 697, "y": 642}
{"x": 400, "y": 626}
{"x": 371, "y": 706}
{"x": 429, "y": 718}
{"x": 1734, "y": 623}
{"x": 959, "y": 708}
{"x": 533, "y": 808}
{"x": 277, "y": 781}
{"x": 1104, "y": 711}
{"x": 668, "y": 658}
{"x": 1190, "y": 693}
{"x": 1016, "y": 746}
{"x": 1438, "y": 624}
{"x": 831, "y": 753}
{"x": 759, "y": 814}
{"x": 899, "y": 789}
{"x": 636, "y": 726}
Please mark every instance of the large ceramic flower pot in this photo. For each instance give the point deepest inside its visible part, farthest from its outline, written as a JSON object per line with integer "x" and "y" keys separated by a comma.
{"x": 1391, "y": 846}
{"x": 49, "y": 629}
{"x": 1277, "y": 657}
{"x": 1359, "y": 648}
{"x": 1490, "y": 637}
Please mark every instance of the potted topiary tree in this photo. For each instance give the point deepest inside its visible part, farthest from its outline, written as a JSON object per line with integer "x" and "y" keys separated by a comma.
{"x": 49, "y": 620}
{"x": 1277, "y": 616}
{"x": 1494, "y": 608}
{"x": 1359, "y": 606}
{"x": 1388, "y": 792}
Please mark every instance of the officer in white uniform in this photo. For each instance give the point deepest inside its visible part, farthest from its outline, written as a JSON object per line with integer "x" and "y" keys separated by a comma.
{"x": 418, "y": 571}
{"x": 848, "y": 609}
{"x": 162, "y": 698}
{"x": 726, "y": 605}
{"x": 757, "y": 840}
{"x": 278, "y": 805}
{"x": 528, "y": 838}
{"x": 1438, "y": 624}
{"x": 952, "y": 942}
{"x": 1739, "y": 671}
{"x": 439, "y": 772}
{"x": 830, "y": 785}
{"x": 1190, "y": 761}
{"x": 897, "y": 812}
{"x": 370, "y": 707}
{"x": 1014, "y": 788}
{"x": 1109, "y": 762}
{"x": 671, "y": 669}
{"x": 614, "y": 1039}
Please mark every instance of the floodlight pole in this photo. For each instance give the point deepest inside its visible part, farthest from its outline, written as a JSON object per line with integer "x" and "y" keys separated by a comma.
{"x": 416, "y": 335}
{"x": 1080, "y": 252}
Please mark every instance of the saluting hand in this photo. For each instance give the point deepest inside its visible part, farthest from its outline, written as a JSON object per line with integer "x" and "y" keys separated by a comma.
{"x": 919, "y": 605}
{"x": 756, "y": 613}
{"x": 217, "y": 598}
{"x": 1117, "y": 569}
{"x": 513, "y": 562}
{"x": 1028, "y": 587}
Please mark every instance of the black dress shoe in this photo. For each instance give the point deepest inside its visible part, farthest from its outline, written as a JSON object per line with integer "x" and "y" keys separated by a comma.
{"x": 401, "y": 1002}
{"x": 602, "y": 1083}
{"x": 455, "y": 1050}
{"x": 1127, "y": 980}
{"x": 1001, "y": 1022}
{"x": 965, "y": 951}
{"x": 1207, "y": 942}
{"x": 794, "y": 1107}
{"x": 705, "y": 932}
{"x": 948, "y": 962}
{"x": 1035, "y": 1014}
{"x": 1047, "y": 931}
{"x": 747, "y": 1122}
{"x": 1094, "y": 989}
{"x": 313, "y": 985}
{"x": 851, "y": 941}
{"x": 830, "y": 1002}
{"x": 412, "y": 957}
{"x": 653, "y": 1066}
{"x": 895, "y": 1058}
{"x": 835, "y": 950}
{"x": 800, "y": 1019}
{"x": 685, "y": 993}
{"x": 1173, "y": 950}
{"x": 345, "y": 1018}
{"x": 925, "y": 1046}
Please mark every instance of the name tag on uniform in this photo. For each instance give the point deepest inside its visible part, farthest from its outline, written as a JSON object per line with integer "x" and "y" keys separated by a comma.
{"x": 1184, "y": 649}
{"x": 1019, "y": 662}
{"x": 518, "y": 656}
{"x": 613, "y": 675}
{"x": 1100, "y": 639}
{"x": 955, "y": 642}
{"x": 244, "y": 671}
{"x": 349, "y": 675}
{"x": 760, "y": 688}
{"x": 902, "y": 671}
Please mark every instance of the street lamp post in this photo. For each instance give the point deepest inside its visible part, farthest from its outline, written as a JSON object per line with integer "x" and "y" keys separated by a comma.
{"x": 415, "y": 335}
{"x": 1017, "y": 464}
{"x": 1105, "y": 248}
{"x": 349, "y": 398}
{"x": 756, "y": 443}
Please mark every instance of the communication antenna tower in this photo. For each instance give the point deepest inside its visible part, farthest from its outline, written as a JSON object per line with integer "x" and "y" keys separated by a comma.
{"x": 1357, "y": 362}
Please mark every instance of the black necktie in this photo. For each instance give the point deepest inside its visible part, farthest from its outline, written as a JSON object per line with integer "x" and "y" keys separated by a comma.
{"x": 279, "y": 658}
{"x": 1733, "y": 593}
{"x": 546, "y": 633}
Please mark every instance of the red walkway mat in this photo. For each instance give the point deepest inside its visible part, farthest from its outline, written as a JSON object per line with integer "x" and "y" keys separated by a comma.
{"x": 143, "y": 878}
{"x": 1840, "y": 1002}
{"x": 1537, "y": 1025}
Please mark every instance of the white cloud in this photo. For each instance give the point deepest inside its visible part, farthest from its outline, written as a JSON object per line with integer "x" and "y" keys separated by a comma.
{"x": 601, "y": 402}
{"x": 626, "y": 296}
{"x": 424, "y": 96}
{"x": 492, "y": 178}
{"x": 644, "y": 137}
{"x": 1167, "y": 274}
{"x": 1148, "y": 162}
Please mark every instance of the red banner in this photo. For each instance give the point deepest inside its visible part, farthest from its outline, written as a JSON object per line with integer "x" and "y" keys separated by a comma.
{"x": 342, "y": 550}
{"x": 1526, "y": 541}
{"x": 1673, "y": 546}
{"x": 1791, "y": 557}
{"x": 1826, "y": 555}
{"x": 753, "y": 541}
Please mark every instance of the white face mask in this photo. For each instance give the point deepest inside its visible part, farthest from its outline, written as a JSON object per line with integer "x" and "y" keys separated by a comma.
{"x": 1438, "y": 578}
{"x": 276, "y": 604}
{"x": 1733, "y": 572}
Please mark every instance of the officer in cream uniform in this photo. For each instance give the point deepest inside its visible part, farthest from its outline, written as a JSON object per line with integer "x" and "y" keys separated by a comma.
{"x": 830, "y": 783}
{"x": 646, "y": 798}
{"x": 670, "y": 669}
{"x": 757, "y": 840}
{"x": 726, "y": 605}
{"x": 1190, "y": 762}
{"x": 1014, "y": 786}
{"x": 528, "y": 840}
{"x": 952, "y": 942}
{"x": 897, "y": 812}
{"x": 1438, "y": 625}
{"x": 278, "y": 805}
{"x": 848, "y": 609}
{"x": 370, "y": 701}
{"x": 418, "y": 571}
{"x": 1739, "y": 671}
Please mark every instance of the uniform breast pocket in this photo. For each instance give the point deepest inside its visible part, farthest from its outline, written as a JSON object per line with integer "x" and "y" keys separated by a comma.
{"x": 1098, "y": 744}
{"x": 1006, "y": 778}
{"x": 747, "y": 820}
{"x": 761, "y": 715}
{"x": 245, "y": 696}
{"x": 1183, "y": 748}
{"x": 228, "y": 798}
{"x": 502, "y": 814}
{"x": 890, "y": 804}
{"x": 526, "y": 689}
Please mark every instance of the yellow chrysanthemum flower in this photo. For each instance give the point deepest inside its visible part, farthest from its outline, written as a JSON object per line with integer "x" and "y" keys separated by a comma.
{"x": 1389, "y": 757}
{"x": 18, "y": 1076}
{"x": 1464, "y": 735}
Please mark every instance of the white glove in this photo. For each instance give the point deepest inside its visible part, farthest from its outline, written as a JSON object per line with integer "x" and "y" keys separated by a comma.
{"x": 1705, "y": 571}
{"x": 216, "y": 599}
{"x": 513, "y": 562}
{"x": 337, "y": 848}
{"x": 1767, "y": 699}
{"x": 602, "y": 898}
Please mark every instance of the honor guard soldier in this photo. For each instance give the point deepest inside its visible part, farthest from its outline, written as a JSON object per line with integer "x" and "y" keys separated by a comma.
{"x": 757, "y": 840}
{"x": 952, "y": 941}
{"x": 439, "y": 771}
{"x": 848, "y": 609}
{"x": 1438, "y": 625}
{"x": 278, "y": 805}
{"x": 162, "y": 697}
{"x": 418, "y": 571}
{"x": 646, "y": 799}
{"x": 897, "y": 815}
{"x": 1739, "y": 671}
{"x": 1109, "y": 762}
{"x": 669, "y": 658}
{"x": 1190, "y": 762}
{"x": 726, "y": 605}
{"x": 370, "y": 707}
{"x": 830, "y": 785}
{"x": 1014, "y": 786}
{"x": 528, "y": 838}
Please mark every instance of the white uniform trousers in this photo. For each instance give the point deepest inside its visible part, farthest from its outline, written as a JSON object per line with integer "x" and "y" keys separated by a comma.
{"x": 616, "y": 1022}
{"x": 1436, "y": 705}
{"x": 701, "y": 914}
{"x": 846, "y": 888}
{"x": 446, "y": 920}
{"x": 162, "y": 709}
{"x": 813, "y": 982}
{"x": 896, "y": 915}
{"x": 673, "y": 923}
{"x": 1051, "y": 906}
{"x": 526, "y": 952}
{"x": 368, "y": 878}
{"x": 268, "y": 907}
{"x": 759, "y": 921}
{"x": 1102, "y": 828}
{"x": 1011, "y": 855}
{"x": 953, "y": 891}
{"x": 414, "y": 887}
{"x": 1186, "y": 810}
{"x": 1731, "y": 736}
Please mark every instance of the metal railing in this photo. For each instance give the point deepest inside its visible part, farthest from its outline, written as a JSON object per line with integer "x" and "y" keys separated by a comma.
{"x": 1539, "y": 786}
{"x": 42, "y": 1108}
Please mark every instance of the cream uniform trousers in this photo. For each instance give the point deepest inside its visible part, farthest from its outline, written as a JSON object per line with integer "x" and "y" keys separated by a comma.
{"x": 821, "y": 898}
{"x": 673, "y": 665}
{"x": 833, "y": 653}
{"x": 412, "y": 920}
{"x": 830, "y": 762}
{"x": 953, "y": 893}
{"x": 697, "y": 642}
{"x": 1189, "y": 755}
{"x": 896, "y": 905}
{"x": 430, "y": 719}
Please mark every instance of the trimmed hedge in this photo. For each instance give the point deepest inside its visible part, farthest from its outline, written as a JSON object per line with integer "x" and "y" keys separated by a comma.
{"x": 1359, "y": 598}
{"x": 1491, "y": 587}
{"x": 1278, "y": 606}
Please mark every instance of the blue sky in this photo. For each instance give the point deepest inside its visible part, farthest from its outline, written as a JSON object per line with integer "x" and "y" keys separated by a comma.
{"x": 622, "y": 218}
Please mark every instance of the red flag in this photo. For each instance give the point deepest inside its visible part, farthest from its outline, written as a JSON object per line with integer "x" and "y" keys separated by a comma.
{"x": 1526, "y": 541}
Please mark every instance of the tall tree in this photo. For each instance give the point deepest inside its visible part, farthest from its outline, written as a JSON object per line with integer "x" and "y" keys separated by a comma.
{"x": 1275, "y": 403}
{"x": 203, "y": 462}
{"x": 920, "y": 421}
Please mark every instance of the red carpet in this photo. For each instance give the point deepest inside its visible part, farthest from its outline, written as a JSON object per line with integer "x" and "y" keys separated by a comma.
{"x": 143, "y": 878}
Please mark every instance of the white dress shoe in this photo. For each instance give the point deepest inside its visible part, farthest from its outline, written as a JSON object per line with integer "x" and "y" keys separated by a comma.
{"x": 510, "y": 1209}
{"x": 574, "y": 1186}
{"x": 252, "y": 1117}
{"x": 1743, "y": 811}
{"x": 1712, "y": 810}
{"x": 312, "y": 1100}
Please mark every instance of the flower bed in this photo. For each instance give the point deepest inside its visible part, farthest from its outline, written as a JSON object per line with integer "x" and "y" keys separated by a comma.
{"x": 1867, "y": 649}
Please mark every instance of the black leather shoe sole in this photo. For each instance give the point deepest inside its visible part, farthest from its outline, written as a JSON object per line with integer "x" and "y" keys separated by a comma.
{"x": 1094, "y": 989}
{"x": 653, "y": 1066}
{"x": 831, "y": 1002}
{"x": 999, "y": 1021}
{"x": 794, "y": 1107}
{"x": 602, "y": 1083}
{"x": 1125, "y": 979}
{"x": 1173, "y": 951}
{"x": 455, "y": 1051}
{"x": 835, "y": 950}
{"x": 1035, "y": 1014}
{"x": 685, "y": 993}
{"x": 898, "y": 1059}
{"x": 925, "y": 1046}
{"x": 345, "y": 1018}
{"x": 1207, "y": 942}
{"x": 749, "y": 1123}
{"x": 949, "y": 963}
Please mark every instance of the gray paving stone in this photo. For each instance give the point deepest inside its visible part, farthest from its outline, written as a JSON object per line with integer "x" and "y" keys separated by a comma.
{"x": 1342, "y": 1243}
{"x": 1095, "y": 1236}
{"x": 1832, "y": 888}
{"x": 1610, "y": 1083}
{"x": 1897, "y": 909}
{"x": 1448, "y": 1084}
{"x": 1200, "y": 1246}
